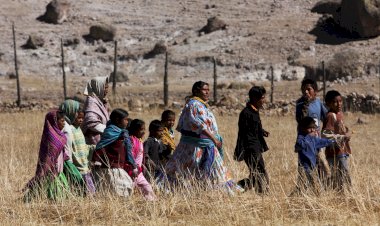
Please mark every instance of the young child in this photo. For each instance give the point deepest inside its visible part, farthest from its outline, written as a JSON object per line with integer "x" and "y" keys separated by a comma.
{"x": 81, "y": 152}
{"x": 49, "y": 178}
{"x": 113, "y": 156}
{"x": 154, "y": 150}
{"x": 137, "y": 131}
{"x": 168, "y": 119}
{"x": 307, "y": 145}
{"x": 333, "y": 127}
{"x": 251, "y": 143}
{"x": 77, "y": 184}
{"x": 309, "y": 105}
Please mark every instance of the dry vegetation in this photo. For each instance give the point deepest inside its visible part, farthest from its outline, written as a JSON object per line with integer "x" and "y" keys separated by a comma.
{"x": 19, "y": 142}
{"x": 260, "y": 32}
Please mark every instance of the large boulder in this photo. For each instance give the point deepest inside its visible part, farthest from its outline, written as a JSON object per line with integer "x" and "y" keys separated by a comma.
{"x": 103, "y": 32}
{"x": 327, "y": 7}
{"x": 360, "y": 17}
{"x": 34, "y": 42}
{"x": 57, "y": 11}
{"x": 159, "y": 48}
{"x": 213, "y": 24}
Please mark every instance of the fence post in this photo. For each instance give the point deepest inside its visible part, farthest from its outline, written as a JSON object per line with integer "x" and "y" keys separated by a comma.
{"x": 63, "y": 71}
{"x": 215, "y": 82}
{"x": 271, "y": 84}
{"x": 114, "y": 72}
{"x": 16, "y": 67}
{"x": 166, "y": 85}
{"x": 324, "y": 78}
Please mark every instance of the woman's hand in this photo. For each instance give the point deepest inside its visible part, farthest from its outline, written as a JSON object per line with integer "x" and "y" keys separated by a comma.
{"x": 218, "y": 143}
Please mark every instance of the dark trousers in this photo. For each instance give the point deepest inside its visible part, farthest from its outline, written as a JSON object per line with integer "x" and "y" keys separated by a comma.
{"x": 258, "y": 176}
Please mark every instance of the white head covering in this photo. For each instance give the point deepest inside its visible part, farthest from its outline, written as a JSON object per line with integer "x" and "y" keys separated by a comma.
{"x": 96, "y": 87}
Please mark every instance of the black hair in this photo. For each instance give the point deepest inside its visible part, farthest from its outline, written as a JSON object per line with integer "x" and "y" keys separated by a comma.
{"x": 166, "y": 114}
{"x": 155, "y": 125}
{"x": 117, "y": 115}
{"x": 80, "y": 110}
{"x": 256, "y": 93}
{"x": 129, "y": 122}
{"x": 309, "y": 81}
{"x": 60, "y": 114}
{"x": 197, "y": 87}
{"x": 135, "y": 126}
{"x": 330, "y": 95}
{"x": 306, "y": 122}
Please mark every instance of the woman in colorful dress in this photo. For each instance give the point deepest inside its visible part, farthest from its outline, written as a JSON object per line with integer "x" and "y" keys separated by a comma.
{"x": 96, "y": 109}
{"x": 49, "y": 180}
{"x": 199, "y": 152}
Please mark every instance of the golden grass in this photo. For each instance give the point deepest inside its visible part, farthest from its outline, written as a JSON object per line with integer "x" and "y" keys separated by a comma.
{"x": 19, "y": 142}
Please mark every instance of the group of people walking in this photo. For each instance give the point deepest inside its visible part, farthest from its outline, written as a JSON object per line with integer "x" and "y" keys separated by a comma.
{"x": 85, "y": 150}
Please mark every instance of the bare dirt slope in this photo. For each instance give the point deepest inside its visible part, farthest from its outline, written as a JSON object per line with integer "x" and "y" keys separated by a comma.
{"x": 259, "y": 33}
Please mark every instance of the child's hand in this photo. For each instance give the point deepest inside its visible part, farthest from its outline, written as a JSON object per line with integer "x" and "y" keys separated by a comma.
{"x": 135, "y": 172}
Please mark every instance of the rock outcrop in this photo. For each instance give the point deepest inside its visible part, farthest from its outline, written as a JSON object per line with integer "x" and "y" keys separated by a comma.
{"x": 34, "y": 42}
{"x": 213, "y": 24}
{"x": 327, "y": 7}
{"x": 159, "y": 48}
{"x": 360, "y": 17}
{"x": 57, "y": 11}
{"x": 103, "y": 32}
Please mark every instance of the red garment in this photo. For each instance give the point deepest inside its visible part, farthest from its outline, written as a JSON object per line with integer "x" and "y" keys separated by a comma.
{"x": 114, "y": 156}
{"x": 334, "y": 123}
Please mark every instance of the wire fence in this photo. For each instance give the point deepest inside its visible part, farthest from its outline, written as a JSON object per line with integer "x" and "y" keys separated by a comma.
{"x": 367, "y": 103}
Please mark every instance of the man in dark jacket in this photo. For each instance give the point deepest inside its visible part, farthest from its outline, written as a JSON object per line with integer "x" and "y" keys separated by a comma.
{"x": 251, "y": 144}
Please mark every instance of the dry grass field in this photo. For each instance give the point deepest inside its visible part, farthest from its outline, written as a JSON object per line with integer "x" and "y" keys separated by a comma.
{"x": 19, "y": 142}
{"x": 260, "y": 33}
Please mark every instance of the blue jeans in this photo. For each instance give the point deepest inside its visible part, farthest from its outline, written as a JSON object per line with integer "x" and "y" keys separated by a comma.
{"x": 340, "y": 172}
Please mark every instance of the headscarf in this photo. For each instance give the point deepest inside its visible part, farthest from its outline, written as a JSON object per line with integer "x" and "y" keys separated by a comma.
{"x": 96, "y": 87}
{"x": 52, "y": 144}
{"x": 111, "y": 134}
{"x": 70, "y": 108}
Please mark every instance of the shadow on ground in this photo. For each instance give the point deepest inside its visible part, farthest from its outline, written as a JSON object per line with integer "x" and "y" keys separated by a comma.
{"x": 327, "y": 31}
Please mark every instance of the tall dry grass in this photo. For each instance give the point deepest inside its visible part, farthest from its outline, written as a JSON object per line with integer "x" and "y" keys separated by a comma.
{"x": 19, "y": 142}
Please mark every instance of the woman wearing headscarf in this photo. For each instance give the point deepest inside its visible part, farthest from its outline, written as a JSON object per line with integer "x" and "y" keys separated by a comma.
{"x": 96, "y": 109}
{"x": 49, "y": 178}
{"x": 199, "y": 152}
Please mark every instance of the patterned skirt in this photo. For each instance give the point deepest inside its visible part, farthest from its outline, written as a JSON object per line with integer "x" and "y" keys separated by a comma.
{"x": 184, "y": 168}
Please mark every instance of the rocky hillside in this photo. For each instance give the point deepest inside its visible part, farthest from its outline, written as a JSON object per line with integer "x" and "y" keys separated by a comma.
{"x": 249, "y": 37}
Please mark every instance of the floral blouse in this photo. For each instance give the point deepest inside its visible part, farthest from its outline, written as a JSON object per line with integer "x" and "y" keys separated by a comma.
{"x": 196, "y": 117}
